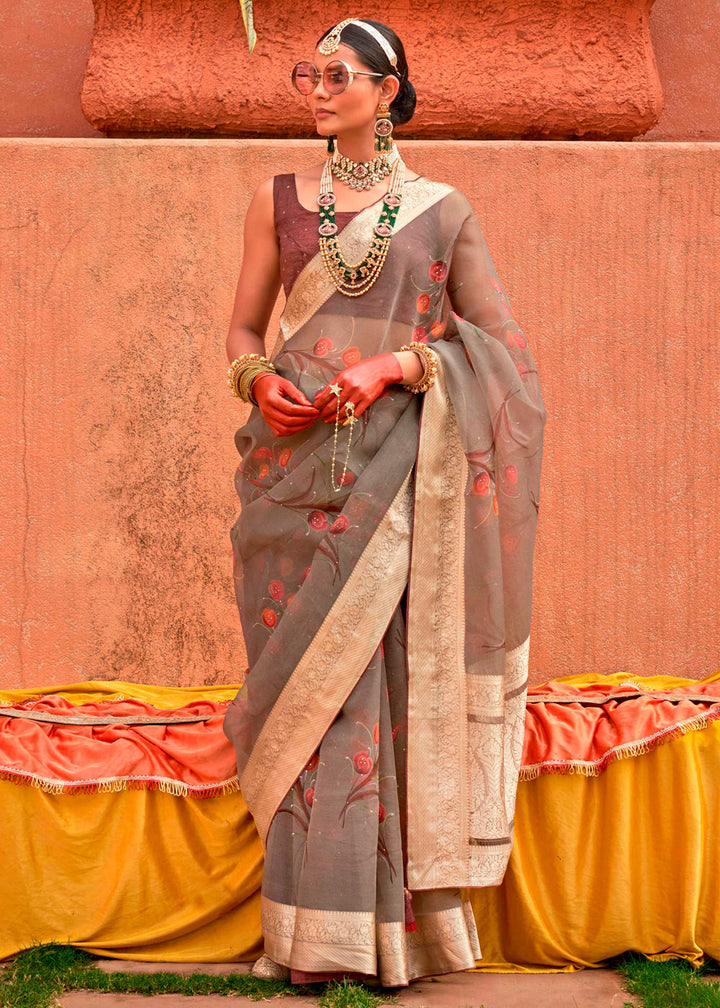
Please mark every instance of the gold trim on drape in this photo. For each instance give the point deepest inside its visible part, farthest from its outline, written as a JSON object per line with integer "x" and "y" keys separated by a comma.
{"x": 326, "y": 941}
{"x": 331, "y": 666}
{"x": 465, "y": 725}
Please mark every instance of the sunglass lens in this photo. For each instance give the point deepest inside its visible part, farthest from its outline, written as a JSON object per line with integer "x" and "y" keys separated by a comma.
{"x": 304, "y": 77}
{"x": 335, "y": 77}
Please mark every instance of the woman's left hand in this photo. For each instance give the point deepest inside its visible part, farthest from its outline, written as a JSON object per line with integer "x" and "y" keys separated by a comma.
{"x": 360, "y": 384}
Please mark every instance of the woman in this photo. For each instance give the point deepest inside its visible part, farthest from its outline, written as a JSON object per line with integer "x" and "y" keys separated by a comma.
{"x": 383, "y": 554}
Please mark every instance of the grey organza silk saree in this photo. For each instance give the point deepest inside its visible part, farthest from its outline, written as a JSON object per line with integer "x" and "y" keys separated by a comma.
{"x": 379, "y": 730}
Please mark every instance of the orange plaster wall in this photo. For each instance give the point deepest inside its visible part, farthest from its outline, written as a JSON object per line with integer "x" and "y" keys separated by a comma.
{"x": 44, "y": 49}
{"x": 120, "y": 261}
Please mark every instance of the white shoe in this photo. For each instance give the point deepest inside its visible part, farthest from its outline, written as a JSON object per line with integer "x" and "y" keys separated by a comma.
{"x": 267, "y": 969}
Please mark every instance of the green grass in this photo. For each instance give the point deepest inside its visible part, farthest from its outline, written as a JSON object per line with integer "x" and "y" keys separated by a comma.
{"x": 36, "y": 976}
{"x": 670, "y": 984}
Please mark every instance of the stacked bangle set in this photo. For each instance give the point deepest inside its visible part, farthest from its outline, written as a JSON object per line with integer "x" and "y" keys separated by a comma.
{"x": 245, "y": 369}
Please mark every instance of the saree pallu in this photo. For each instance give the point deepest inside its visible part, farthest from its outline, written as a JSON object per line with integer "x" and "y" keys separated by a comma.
{"x": 379, "y": 730}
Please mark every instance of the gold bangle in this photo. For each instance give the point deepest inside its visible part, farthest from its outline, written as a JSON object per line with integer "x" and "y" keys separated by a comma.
{"x": 429, "y": 361}
{"x": 243, "y": 371}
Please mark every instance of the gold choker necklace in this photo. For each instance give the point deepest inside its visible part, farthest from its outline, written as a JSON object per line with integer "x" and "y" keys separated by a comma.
{"x": 354, "y": 279}
{"x": 362, "y": 175}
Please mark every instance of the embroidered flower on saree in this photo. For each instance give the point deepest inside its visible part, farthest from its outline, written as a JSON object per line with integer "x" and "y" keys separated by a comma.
{"x": 423, "y": 303}
{"x": 362, "y": 762}
{"x": 269, "y": 618}
{"x": 276, "y": 589}
{"x": 419, "y": 334}
{"x": 481, "y": 484}
{"x": 323, "y": 347}
{"x": 351, "y": 356}
{"x": 341, "y": 524}
{"x": 318, "y": 520}
{"x": 438, "y": 271}
{"x": 285, "y": 456}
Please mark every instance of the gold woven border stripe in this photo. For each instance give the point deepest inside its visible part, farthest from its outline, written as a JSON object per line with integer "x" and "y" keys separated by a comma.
{"x": 437, "y": 702}
{"x": 326, "y": 674}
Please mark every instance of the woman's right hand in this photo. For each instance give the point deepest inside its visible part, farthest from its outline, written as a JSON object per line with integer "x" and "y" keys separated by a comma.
{"x": 283, "y": 406}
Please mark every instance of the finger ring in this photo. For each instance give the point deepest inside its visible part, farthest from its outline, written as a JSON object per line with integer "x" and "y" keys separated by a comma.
{"x": 335, "y": 389}
{"x": 349, "y": 407}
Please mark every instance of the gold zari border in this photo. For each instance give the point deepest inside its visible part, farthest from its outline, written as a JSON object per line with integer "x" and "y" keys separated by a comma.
{"x": 327, "y": 941}
{"x": 330, "y": 667}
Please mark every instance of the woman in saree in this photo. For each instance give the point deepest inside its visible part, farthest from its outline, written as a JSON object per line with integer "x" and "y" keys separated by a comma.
{"x": 389, "y": 484}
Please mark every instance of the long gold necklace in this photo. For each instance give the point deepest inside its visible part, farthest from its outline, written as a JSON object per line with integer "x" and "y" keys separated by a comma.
{"x": 354, "y": 279}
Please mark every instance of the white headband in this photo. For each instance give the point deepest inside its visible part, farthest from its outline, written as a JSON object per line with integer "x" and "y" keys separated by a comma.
{"x": 332, "y": 40}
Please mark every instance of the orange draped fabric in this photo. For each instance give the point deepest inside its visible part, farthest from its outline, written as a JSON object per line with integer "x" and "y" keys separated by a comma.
{"x": 602, "y": 861}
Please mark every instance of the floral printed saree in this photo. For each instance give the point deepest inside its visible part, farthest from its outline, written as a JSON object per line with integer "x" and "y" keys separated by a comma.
{"x": 378, "y": 732}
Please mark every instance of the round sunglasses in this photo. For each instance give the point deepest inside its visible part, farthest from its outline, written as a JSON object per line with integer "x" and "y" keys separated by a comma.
{"x": 337, "y": 76}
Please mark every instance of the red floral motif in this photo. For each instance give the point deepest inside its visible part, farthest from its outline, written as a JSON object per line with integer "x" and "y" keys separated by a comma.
{"x": 323, "y": 347}
{"x": 347, "y": 479}
{"x": 351, "y": 356}
{"x": 264, "y": 471}
{"x": 520, "y": 341}
{"x": 262, "y": 453}
{"x": 511, "y": 473}
{"x": 423, "y": 303}
{"x": 276, "y": 589}
{"x": 362, "y": 762}
{"x": 341, "y": 523}
{"x": 312, "y": 762}
{"x": 285, "y": 456}
{"x": 438, "y": 271}
{"x": 419, "y": 334}
{"x": 269, "y": 617}
{"x": 318, "y": 520}
{"x": 481, "y": 484}
{"x": 310, "y": 795}
{"x": 381, "y": 812}
{"x": 376, "y": 733}
{"x": 437, "y": 329}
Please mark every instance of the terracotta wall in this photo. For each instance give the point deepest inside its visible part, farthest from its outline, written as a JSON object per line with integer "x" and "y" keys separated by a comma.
{"x": 119, "y": 265}
{"x": 44, "y": 48}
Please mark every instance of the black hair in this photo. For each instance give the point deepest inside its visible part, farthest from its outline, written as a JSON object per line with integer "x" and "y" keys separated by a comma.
{"x": 373, "y": 55}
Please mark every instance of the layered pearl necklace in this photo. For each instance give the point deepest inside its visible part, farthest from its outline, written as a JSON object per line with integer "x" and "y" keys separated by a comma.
{"x": 354, "y": 279}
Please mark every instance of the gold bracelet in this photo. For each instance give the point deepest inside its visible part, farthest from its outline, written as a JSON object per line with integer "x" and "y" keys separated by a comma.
{"x": 429, "y": 361}
{"x": 242, "y": 373}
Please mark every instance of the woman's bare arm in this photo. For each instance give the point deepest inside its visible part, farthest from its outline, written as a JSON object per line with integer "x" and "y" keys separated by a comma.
{"x": 259, "y": 281}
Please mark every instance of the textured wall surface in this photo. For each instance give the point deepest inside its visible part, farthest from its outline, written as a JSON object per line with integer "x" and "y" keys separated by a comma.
{"x": 119, "y": 266}
{"x": 44, "y": 49}
{"x": 504, "y": 68}
{"x": 43, "y": 52}
{"x": 686, "y": 41}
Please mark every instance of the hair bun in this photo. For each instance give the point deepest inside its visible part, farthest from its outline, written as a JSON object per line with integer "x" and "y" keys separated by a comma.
{"x": 403, "y": 108}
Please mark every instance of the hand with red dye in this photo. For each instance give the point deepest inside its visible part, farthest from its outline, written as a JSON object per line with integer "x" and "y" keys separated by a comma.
{"x": 360, "y": 383}
{"x": 284, "y": 407}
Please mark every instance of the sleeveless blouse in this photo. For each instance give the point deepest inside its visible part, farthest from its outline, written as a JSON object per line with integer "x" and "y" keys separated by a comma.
{"x": 296, "y": 228}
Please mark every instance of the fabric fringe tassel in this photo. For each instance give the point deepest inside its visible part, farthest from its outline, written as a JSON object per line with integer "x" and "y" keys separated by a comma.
{"x": 628, "y": 749}
{"x": 173, "y": 787}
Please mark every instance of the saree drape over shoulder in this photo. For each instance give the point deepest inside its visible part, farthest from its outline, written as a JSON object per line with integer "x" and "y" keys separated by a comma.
{"x": 379, "y": 730}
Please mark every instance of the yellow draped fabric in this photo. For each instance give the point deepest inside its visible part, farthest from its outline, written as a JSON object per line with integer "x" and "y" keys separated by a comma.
{"x": 625, "y": 860}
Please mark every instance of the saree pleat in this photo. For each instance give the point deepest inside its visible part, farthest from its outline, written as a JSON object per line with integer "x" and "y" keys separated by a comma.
{"x": 378, "y": 733}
